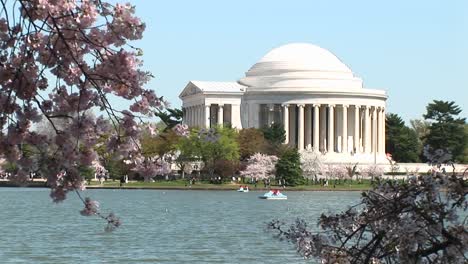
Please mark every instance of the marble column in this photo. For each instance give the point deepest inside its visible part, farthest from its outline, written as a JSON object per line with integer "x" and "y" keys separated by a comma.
{"x": 323, "y": 128}
{"x": 382, "y": 146}
{"x": 300, "y": 127}
{"x": 293, "y": 123}
{"x": 331, "y": 128}
{"x": 200, "y": 116}
{"x": 286, "y": 122}
{"x": 207, "y": 115}
{"x": 367, "y": 129}
{"x": 316, "y": 127}
{"x": 308, "y": 126}
{"x": 197, "y": 115}
{"x": 379, "y": 130}
{"x": 220, "y": 114}
{"x": 344, "y": 136}
{"x": 357, "y": 147}
{"x": 192, "y": 115}
{"x": 184, "y": 115}
{"x": 374, "y": 129}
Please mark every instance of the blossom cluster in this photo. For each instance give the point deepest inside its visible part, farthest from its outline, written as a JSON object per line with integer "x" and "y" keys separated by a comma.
{"x": 261, "y": 166}
{"x": 372, "y": 171}
{"x": 413, "y": 222}
{"x": 181, "y": 130}
{"x": 60, "y": 60}
{"x": 148, "y": 167}
{"x": 70, "y": 59}
{"x": 312, "y": 162}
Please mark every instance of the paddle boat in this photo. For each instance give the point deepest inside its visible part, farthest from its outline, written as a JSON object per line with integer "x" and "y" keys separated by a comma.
{"x": 243, "y": 189}
{"x": 274, "y": 195}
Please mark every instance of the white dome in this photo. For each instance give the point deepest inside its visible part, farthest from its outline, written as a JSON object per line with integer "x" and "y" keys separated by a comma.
{"x": 300, "y": 65}
{"x": 304, "y": 56}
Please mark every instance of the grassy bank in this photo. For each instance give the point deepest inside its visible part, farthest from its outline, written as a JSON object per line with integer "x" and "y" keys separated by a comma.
{"x": 183, "y": 185}
{"x": 30, "y": 184}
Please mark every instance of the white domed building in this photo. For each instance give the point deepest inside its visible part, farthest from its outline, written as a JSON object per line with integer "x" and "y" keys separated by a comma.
{"x": 308, "y": 90}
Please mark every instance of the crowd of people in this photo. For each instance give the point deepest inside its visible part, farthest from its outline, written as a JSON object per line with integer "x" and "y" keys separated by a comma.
{"x": 5, "y": 175}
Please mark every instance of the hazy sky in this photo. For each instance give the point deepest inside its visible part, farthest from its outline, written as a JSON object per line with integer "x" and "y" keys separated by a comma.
{"x": 415, "y": 50}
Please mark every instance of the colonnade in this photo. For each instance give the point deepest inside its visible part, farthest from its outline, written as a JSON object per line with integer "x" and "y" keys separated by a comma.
{"x": 201, "y": 115}
{"x": 326, "y": 127}
{"x": 330, "y": 128}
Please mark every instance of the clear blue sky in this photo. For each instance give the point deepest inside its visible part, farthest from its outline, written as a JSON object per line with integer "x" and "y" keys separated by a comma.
{"x": 416, "y": 50}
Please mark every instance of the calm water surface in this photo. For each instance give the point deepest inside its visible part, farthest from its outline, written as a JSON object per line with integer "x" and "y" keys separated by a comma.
{"x": 158, "y": 226}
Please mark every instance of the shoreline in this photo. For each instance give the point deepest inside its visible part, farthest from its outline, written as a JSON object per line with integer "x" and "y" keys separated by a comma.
{"x": 5, "y": 184}
{"x": 222, "y": 189}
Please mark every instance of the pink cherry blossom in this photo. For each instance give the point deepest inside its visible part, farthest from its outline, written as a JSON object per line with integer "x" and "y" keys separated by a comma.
{"x": 181, "y": 130}
{"x": 70, "y": 59}
{"x": 420, "y": 221}
{"x": 260, "y": 166}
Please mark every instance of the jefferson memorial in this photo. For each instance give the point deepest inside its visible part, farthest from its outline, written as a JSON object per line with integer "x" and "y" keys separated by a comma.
{"x": 308, "y": 90}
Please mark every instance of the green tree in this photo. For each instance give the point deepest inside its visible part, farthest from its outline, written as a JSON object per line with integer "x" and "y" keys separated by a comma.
{"x": 289, "y": 167}
{"x": 223, "y": 147}
{"x": 111, "y": 161}
{"x": 170, "y": 117}
{"x": 116, "y": 167}
{"x": 274, "y": 134}
{"x": 447, "y": 129}
{"x": 159, "y": 145}
{"x": 226, "y": 168}
{"x": 465, "y": 152}
{"x": 187, "y": 148}
{"x": 86, "y": 172}
{"x": 251, "y": 141}
{"x": 400, "y": 140}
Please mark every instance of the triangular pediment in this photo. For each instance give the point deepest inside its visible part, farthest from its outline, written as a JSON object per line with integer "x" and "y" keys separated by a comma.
{"x": 210, "y": 87}
{"x": 190, "y": 89}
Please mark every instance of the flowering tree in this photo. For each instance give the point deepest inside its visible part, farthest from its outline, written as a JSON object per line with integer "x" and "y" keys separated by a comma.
{"x": 149, "y": 167}
{"x": 335, "y": 171}
{"x": 421, "y": 221}
{"x": 372, "y": 172}
{"x": 261, "y": 166}
{"x": 100, "y": 170}
{"x": 58, "y": 60}
{"x": 311, "y": 163}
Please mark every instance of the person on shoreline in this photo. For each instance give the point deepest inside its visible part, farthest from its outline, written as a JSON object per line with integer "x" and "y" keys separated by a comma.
{"x": 122, "y": 181}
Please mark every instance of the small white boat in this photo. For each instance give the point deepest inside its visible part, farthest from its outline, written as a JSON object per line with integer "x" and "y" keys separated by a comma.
{"x": 274, "y": 195}
{"x": 243, "y": 189}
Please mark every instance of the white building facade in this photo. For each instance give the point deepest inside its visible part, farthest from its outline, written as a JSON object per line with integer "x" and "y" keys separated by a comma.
{"x": 306, "y": 89}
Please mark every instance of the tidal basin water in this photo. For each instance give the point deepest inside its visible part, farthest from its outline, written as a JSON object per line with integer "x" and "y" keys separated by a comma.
{"x": 158, "y": 226}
